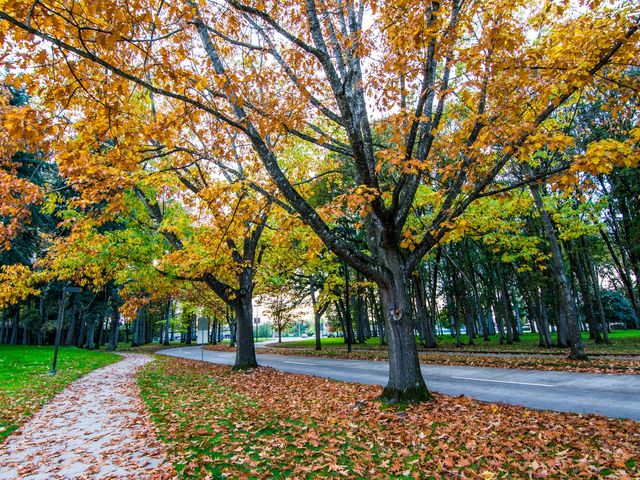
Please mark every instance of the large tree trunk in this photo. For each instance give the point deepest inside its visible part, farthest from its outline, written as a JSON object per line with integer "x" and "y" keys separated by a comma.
{"x": 245, "y": 350}
{"x": 564, "y": 289}
{"x": 406, "y": 383}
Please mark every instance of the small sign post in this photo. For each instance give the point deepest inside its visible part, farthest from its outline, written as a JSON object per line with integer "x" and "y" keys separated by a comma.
{"x": 63, "y": 300}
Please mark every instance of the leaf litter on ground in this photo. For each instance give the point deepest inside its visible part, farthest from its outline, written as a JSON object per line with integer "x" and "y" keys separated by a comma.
{"x": 269, "y": 424}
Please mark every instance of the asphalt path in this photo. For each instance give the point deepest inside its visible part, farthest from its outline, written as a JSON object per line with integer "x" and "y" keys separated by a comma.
{"x": 608, "y": 395}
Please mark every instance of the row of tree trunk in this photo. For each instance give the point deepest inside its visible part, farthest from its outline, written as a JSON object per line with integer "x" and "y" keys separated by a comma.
{"x": 23, "y": 324}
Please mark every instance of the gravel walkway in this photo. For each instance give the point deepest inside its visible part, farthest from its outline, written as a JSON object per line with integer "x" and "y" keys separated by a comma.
{"x": 98, "y": 427}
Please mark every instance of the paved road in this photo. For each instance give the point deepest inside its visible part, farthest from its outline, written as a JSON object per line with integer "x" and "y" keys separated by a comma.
{"x": 609, "y": 395}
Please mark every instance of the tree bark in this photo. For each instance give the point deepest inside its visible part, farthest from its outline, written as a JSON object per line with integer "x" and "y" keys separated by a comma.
{"x": 245, "y": 350}
{"x": 360, "y": 315}
{"x": 564, "y": 289}
{"x": 83, "y": 329}
{"x": 429, "y": 338}
{"x": 24, "y": 324}
{"x": 189, "y": 332}
{"x": 544, "y": 329}
{"x": 375, "y": 306}
{"x": 340, "y": 309}
{"x": 91, "y": 327}
{"x": 214, "y": 333}
{"x": 516, "y": 321}
{"x": 167, "y": 324}
{"x": 16, "y": 325}
{"x": 591, "y": 271}
{"x": 73, "y": 324}
{"x": 316, "y": 316}
{"x": 3, "y": 326}
{"x": 232, "y": 327}
{"x": 113, "y": 330}
{"x": 348, "y": 322}
{"x": 406, "y": 383}
{"x": 135, "y": 335}
{"x": 505, "y": 300}
{"x": 579, "y": 271}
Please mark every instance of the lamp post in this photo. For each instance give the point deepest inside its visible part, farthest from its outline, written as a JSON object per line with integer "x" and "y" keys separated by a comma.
{"x": 65, "y": 290}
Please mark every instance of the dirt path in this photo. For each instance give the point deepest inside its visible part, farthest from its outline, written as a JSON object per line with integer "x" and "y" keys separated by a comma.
{"x": 96, "y": 428}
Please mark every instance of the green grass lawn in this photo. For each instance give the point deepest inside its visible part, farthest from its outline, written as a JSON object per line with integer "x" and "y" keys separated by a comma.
{"x": 25, "y": 383}
{"x": 623, "y": 341}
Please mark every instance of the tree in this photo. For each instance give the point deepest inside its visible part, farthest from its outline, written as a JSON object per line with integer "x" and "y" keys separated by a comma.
{"x": 463, "y": 90}
{"x": 280, "y": 307}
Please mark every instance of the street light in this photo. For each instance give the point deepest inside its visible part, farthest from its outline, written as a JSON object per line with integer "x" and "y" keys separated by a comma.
{"x": 65, "y": 290}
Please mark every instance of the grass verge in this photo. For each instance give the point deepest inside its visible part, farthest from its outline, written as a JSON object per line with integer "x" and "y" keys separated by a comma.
{"x": 25, "y": 383}
{"x": 527, "y": 362}
{"x": 149, "y": 348}
{"x": 623, "y": 342}
{"x": 269, "y": 424}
